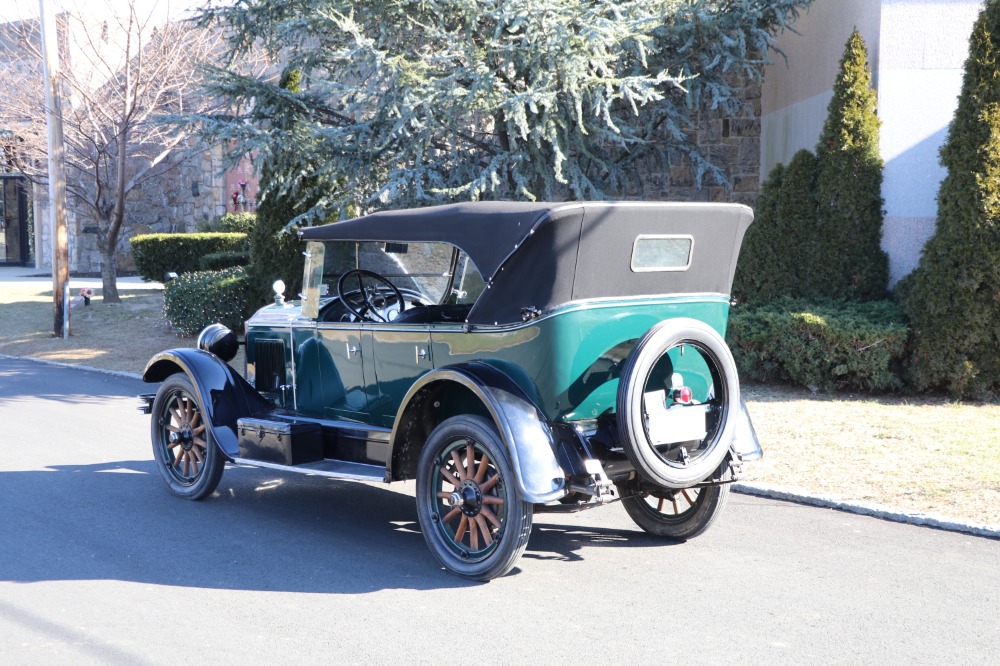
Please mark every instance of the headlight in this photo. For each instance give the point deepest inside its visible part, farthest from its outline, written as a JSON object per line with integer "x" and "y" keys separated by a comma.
{"x": 220, "y": 341}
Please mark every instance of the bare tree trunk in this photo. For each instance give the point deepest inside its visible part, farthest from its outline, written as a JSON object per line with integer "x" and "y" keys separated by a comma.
{"x": 109, "y": 275}
{"x": 109, "y": 267}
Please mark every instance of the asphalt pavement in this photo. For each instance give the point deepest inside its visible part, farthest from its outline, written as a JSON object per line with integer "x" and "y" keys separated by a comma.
{"x": 99, "y": 564}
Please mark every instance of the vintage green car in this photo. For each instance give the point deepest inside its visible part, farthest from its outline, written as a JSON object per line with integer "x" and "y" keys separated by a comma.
{"x": 509, "y": 357}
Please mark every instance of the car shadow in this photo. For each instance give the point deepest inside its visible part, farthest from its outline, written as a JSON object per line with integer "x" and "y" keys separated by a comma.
{"x": 259, "y": 531}
{"x": 551, "y": 541}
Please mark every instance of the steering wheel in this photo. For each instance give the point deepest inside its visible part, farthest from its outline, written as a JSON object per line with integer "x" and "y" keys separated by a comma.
{"x": 370, "y": 300}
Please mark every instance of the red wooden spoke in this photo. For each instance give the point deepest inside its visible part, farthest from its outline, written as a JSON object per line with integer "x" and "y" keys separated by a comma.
{"x": 488, "y": 486}
{"x": 463, "y": 525}
{"x": 449, "y": 477}
{"x": 470, "y": 461}
{"x": 483, "y": 466}
{"x": 451, "y": 514}
{"x": 485, "y": 529}
{"x": 459, "y": 468}
{"x": 474, "y": 535}
{"x": 688, "y": 497}
{"x": 490, "y": 516}
{"x": 493, "y": 499}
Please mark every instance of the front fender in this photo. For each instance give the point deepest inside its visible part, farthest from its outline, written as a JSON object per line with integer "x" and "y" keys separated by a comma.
{"x": 225, "y": 395}
{"x": 520, "y": 423}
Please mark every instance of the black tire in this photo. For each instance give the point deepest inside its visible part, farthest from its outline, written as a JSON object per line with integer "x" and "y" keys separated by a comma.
{"x": 679, "y": 465}
{"x": 676, "y": 513}
{"x": 471, "y": 514}
{"x": 186, "y": 456}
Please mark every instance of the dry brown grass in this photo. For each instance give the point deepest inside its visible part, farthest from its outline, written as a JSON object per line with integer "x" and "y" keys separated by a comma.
{"x": 119, "y": 336}
{"x": 917, "y": 454}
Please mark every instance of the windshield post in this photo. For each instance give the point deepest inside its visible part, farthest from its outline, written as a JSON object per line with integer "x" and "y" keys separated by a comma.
{"x": 312, "y": 278}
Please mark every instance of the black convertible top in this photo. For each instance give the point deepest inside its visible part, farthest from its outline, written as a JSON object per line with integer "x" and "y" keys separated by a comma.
{"x": 487, "y": 231}
{"x": 541, "y": 255}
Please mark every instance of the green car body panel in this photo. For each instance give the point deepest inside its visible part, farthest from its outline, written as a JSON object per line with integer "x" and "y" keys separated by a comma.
{"x": 566, "y": 360}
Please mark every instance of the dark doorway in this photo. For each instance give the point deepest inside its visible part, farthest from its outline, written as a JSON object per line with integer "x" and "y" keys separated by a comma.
{"x": 15, "y": 246}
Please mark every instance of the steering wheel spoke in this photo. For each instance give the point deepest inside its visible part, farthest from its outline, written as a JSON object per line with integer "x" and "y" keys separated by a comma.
{"x": 369, "y": 302}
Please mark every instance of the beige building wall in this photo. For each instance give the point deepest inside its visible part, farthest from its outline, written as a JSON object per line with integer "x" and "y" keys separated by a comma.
{"x": 916, "y": 50}
{"x": 796, "y": 92}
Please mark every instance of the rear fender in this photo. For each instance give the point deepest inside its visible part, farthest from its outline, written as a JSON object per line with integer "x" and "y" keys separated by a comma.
{"x": 225, "y": 395}
{"x": 520, "y": 423}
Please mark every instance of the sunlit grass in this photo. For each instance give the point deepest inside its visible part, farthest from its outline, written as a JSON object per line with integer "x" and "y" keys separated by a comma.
{"x": 921, "y": 454}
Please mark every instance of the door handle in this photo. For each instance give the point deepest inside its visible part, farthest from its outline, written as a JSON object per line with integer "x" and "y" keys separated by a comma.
{"x": 351, "y": 349}
{"x": 421, "y": 353}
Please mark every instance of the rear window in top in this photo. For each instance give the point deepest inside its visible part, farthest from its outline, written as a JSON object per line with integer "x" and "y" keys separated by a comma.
{"x": 662, "y": 253}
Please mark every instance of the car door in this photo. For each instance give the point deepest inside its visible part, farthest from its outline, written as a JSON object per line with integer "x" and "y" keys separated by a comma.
{"x": 401, "y": 354}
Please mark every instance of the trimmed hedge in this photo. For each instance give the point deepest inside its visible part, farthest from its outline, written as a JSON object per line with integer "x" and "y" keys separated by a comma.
{"x": 195, "y": 300}
{"x": 822, "y": 344}
{"x": 242, "y": 223}
{"x": 157, "y": 254}
{"x": 216, "y": 261}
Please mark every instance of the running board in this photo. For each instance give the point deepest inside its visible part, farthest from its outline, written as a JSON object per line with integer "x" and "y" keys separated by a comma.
{"x": 334, "y": 469}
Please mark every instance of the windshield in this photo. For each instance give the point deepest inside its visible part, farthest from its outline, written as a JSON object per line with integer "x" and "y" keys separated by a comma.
{"x": 431, "y": 273}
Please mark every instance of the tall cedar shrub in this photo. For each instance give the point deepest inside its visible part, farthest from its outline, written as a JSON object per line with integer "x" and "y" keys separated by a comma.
{"x": 780, "y": 246}
{"x": 275, "y": 252}
{"x": 953, "y": 296}
{"x": 417, "y": 103}
{"x": 851, "y": 262}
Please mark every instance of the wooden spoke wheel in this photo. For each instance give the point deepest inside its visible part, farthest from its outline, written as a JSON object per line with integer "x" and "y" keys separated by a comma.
{"x": 676, "y": 513}
{"x": 471, "y": 514}
{"x": 188, "y": 459}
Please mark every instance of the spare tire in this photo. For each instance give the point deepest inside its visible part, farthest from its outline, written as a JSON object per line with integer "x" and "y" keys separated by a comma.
{"x": 700, "y": 356}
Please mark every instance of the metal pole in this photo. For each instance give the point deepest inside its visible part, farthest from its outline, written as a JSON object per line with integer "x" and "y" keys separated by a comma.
{"x": 57, "y": 177}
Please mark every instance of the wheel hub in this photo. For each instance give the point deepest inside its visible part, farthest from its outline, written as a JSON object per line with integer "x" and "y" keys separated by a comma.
{"x": 184, "y": 437}
{"x": 470, "y": 496}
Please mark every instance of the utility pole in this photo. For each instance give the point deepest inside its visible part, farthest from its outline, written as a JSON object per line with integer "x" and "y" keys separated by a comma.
{"x": 57, "y": 177}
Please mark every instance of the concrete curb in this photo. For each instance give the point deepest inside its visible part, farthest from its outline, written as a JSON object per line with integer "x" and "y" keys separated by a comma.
{"x": 868, "y": 509}
{"x": 113, "y": 373}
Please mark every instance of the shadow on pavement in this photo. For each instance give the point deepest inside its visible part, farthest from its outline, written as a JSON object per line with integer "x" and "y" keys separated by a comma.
{"x": 258, "y": 532}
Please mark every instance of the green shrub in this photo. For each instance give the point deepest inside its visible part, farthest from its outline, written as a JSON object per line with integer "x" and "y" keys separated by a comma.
{"x": 780, "y": 247}
{"x": 195, "y": 300}
{"x": 236, "y": 223}
{"x": 157, "y": 254}
{"x": 216, "y": 261}
{"x": 823, "y": 344}
{"x": 951, "y": 297}
{"x": 851, "y": 263}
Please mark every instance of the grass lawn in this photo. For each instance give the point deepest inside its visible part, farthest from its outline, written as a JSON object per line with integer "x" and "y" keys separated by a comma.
{"x": 918, "y": 454}
{"x": 113, "y": 337}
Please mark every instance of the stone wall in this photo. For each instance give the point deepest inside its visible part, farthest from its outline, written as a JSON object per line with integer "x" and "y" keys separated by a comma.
{"x": 730, "y": 143}
{"x": 178, "y": 200}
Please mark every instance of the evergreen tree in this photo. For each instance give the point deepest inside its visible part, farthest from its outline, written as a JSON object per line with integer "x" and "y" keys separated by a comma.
{"x": 780, "y": 248}
{"x": 952, "y": 297}
{"x": 274, "y": 250}
{"x": 411, "y": 103}
{"x": 851, "y": 263}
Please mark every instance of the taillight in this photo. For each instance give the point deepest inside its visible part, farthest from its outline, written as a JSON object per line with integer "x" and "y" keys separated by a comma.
{"x": 680, "y": 393}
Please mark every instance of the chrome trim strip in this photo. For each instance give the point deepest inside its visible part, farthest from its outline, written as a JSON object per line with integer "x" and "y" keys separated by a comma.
{"x": 570, "y": 306}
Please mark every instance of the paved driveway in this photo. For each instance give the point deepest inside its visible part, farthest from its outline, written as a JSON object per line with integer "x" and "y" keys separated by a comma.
{"x": 98, "y": 564}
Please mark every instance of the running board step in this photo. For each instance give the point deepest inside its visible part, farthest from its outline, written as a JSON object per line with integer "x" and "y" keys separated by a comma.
{"x": 334, "y": 469}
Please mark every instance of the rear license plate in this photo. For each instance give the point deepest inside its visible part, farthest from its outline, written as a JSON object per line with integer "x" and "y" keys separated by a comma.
{"x": 678, "y": 423}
